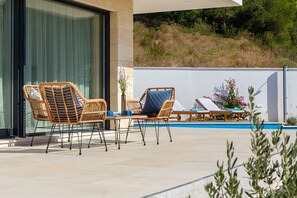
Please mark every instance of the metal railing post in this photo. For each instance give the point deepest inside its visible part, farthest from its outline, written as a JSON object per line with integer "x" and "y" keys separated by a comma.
{"x": 285, "y": 92}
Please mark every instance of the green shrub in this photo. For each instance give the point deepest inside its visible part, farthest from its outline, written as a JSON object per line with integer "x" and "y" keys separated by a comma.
{"x": 229, "y": 96}
{"x": 201, "y": 28}
{"x": 268, "y": 177}
{"x": 157, "y": 50}
{"x": 292, "y": 120}
{"x": 285, "y": 61}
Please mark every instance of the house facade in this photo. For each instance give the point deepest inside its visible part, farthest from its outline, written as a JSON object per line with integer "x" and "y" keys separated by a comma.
{"x": 82, "y": 41}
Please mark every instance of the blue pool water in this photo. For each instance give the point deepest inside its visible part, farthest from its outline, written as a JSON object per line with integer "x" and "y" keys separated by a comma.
{"x": 225, "y": 125}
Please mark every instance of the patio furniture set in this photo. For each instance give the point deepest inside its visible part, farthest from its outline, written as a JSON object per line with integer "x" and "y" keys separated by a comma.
{"x": 62, "y": 104}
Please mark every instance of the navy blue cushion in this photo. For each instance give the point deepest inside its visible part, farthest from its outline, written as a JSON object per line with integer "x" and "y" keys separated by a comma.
{"x": 154, "y": 101}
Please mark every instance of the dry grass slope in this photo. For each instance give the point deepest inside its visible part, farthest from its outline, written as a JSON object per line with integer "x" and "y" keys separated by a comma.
{"x": 174, "y": 46}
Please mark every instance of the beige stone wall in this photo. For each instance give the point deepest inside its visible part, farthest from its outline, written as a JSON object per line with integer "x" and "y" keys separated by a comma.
{"x": 121, "y": 43}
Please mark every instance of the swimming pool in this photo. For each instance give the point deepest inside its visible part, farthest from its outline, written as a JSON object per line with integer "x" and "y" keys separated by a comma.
{"x": 268, "y": 125}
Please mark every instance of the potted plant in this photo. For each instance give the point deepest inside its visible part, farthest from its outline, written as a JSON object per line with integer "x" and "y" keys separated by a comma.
{"x": 123, "y": 82}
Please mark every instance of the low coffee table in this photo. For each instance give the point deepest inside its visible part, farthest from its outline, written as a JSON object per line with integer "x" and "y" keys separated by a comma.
{"x": 117, "y": 124}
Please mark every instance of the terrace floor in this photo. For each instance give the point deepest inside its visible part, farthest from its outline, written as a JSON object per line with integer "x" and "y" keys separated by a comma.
{"x": 133, "y": 171}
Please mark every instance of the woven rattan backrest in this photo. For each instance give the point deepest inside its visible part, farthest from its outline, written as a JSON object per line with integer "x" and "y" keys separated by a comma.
{"x": 165, "y": 110}
{"x": 63, "y": 101}
{"x": 134, "y": 106}
{"x": 37, "y": 105}
{"x": 143, "y": 97}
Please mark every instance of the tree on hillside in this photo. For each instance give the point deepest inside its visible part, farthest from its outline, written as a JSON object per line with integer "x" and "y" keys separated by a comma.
{"x": 273, "y": 21}
{"x": 221, "y": 20}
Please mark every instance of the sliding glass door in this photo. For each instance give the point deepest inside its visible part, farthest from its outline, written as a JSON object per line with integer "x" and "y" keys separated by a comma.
{"x": 63, "y": 43}
{"x": 5, "y": 68}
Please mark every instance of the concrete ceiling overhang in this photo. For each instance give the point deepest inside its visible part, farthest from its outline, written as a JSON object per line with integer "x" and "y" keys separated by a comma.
{"x": 152, "y": 6}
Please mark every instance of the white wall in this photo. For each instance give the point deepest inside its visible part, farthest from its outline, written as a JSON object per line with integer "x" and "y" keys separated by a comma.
{"x": 292, "y": 92}
{"x": 191, "y": 83}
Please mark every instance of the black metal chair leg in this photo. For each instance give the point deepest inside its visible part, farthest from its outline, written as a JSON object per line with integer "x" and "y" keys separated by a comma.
{"x": 104, "y": 139}
{"x": 168, "y": 129}
{"x": 34, "y": 133}
{"x": 141, "y": 131}
{"x": 50, "y": 138}
{"x": 77, "y": 136}
{"x": 70, "y": 145}
{"x": 115, "y": 132}
{"x": 80, "y": 139}
{"x": 144, "y": 126}
{"x": 128, "y": 129}
{"x": 61, "y": 136}
{"x": 79, "y": 142}
{"x": 119, "y": 134}
{"x": 100, "y": 130}
{"x": 98, "y": 127}
{"x": 91, "y": 135}
{"x": 69, "y": 131}
{"x": 157, "y": 132}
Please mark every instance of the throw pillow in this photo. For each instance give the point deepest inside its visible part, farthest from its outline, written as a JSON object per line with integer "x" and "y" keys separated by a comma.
{"x": 154, "y": 101}
{"x": 35, "y": 95}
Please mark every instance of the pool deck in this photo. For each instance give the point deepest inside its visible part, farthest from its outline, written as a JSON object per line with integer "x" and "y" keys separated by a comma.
{"x": 133, "y": 171}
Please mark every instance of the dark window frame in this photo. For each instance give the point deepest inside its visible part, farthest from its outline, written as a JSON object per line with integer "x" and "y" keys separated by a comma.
{"x": 19, "y": 51}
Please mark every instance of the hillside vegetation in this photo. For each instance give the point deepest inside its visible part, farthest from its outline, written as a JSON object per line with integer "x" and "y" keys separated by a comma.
{"x": 262, "y": 33}
{"x": 174, "y": 46}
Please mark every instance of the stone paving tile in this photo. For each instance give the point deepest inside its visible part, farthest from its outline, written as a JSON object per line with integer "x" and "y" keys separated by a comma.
{"x": 133, "y": 171}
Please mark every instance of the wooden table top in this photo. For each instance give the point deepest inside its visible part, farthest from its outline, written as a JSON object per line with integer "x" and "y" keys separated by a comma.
{"x": 126, "y": 117}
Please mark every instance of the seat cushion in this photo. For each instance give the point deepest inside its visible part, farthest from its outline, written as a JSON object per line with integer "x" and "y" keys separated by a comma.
{"x": 154, "y": 101}
{"x": 208, "y": 104}
{"x": 233, "y": 109}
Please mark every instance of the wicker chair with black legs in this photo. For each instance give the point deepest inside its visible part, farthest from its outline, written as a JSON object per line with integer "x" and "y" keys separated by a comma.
{"x": 163, "y": 115}
{"x": 136, "y": 106}
{"x": 151, "y": 103}
{"x": 37, "y": 105}
{"x": 66, "y": 105}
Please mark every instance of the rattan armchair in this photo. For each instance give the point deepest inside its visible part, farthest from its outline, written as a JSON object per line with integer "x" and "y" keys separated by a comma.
{"x": 37, "y": 105}
{"x": 163, "y": 115}
{"x": 136, "y": 106}
{"x": 66, "y": 105}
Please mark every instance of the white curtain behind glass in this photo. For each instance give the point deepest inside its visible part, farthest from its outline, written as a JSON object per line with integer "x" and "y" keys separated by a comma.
{"x": 5, "y": 65}
{"x": 2, "y": 123}
{"x": 60, "y": 46}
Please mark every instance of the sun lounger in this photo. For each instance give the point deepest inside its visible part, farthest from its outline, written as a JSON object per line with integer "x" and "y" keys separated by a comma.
{"x": 200, "y": 114}
{"x": 179, "y": 110}
{"x": 208, "y": 104}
